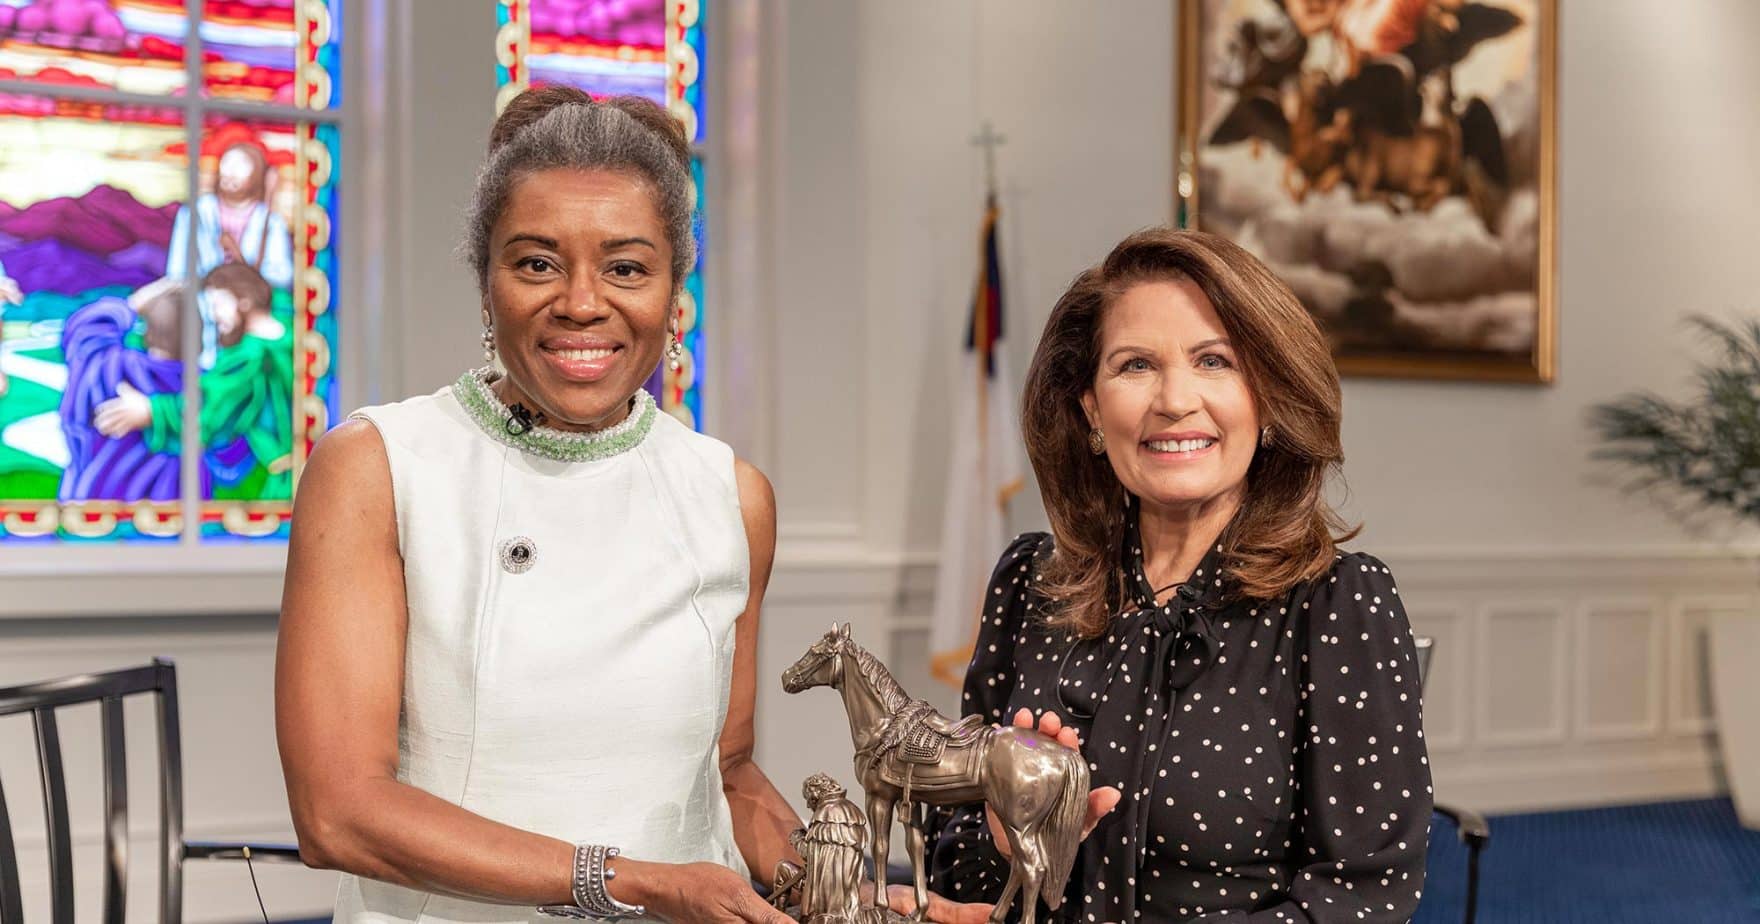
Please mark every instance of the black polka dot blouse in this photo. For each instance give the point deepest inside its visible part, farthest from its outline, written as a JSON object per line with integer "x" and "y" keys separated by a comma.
{"x": 1270, "y": 754}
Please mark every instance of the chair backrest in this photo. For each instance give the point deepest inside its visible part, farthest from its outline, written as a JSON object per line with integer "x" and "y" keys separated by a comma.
{"x": 107, "y": 689}
{"x": 1426, "y": 647}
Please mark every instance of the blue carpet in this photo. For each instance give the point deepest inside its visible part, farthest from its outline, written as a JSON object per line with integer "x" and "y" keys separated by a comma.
{"x": 1685, "y": 862}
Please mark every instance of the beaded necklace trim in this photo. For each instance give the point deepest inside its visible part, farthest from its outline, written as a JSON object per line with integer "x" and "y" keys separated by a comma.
{"x": 472, "y": 391}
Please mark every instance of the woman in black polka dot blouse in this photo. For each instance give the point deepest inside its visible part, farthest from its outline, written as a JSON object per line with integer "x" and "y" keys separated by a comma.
{"x": 1249, "y": 691}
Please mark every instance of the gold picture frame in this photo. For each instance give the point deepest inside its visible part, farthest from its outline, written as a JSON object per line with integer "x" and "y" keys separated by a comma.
{"x": 1348, "y": 197}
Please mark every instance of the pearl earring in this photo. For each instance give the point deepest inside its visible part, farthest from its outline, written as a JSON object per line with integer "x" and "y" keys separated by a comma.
{"x": 675, "y": 354}
{"x": 488, "y": 344}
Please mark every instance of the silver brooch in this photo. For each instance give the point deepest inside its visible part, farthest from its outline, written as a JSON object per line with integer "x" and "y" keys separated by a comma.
{"x": 518, "y": 555}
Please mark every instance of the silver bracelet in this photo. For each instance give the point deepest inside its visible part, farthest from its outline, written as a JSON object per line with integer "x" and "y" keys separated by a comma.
{"x": 591, "y": 898}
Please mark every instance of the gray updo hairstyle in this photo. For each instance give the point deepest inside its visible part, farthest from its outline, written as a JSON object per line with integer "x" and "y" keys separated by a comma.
{"x": 561, "y": 127}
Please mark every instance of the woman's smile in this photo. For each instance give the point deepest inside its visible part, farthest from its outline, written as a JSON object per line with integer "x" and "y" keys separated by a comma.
{"x": 1179, "y": 447}
{"x": 581, "y": 359}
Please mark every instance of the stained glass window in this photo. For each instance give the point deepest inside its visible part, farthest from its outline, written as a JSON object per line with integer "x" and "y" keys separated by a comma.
{"x": 258, "y": 49}
{"x": 651, "y": 48}
{"x": 167, "y": 265}
{"x": 132, "y": 45}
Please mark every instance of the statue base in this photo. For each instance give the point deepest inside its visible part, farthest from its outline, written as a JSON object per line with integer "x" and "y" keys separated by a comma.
{"x": 868, "y": 915}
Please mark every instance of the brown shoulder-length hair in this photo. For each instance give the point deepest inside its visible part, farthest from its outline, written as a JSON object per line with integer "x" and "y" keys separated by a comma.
{"x": 1285, "y": 532}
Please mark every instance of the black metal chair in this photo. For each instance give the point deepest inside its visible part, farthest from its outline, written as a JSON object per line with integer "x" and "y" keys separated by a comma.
{"x": 108, "y": 689}
{"x": 1474, "y": 832}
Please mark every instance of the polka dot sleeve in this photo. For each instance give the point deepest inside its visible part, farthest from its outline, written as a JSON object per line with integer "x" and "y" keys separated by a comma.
{"x": 964, "y": 864}
{"x": 1363, "y": 779}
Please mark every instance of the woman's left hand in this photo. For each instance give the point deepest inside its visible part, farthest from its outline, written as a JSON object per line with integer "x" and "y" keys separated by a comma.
{"x": 1101, "y": 799}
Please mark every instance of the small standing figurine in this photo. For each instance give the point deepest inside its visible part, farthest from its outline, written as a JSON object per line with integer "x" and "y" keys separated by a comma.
{"x": 832, "y": 846}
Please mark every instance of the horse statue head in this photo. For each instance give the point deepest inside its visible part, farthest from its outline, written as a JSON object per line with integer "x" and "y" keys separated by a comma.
{"x": 822, "y": 665}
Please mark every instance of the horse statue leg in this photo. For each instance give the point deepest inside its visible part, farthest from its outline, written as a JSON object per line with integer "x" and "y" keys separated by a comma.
{"x": 917, "y": 819}
{"x": 1029, "y": 861}
{"x": 999, "y": 912}
{"x": 880, "y": 829}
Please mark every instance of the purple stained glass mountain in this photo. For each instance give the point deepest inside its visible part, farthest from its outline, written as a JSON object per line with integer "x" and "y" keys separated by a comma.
{"x": 50, "y": 265}
{"x": 102, "y": 221}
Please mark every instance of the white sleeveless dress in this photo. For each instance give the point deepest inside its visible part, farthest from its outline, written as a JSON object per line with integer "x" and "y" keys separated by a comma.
{"x": 571, "y": 635}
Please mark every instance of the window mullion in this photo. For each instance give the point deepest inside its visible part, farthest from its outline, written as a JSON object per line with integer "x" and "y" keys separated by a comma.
{"x": 190, "y": 452}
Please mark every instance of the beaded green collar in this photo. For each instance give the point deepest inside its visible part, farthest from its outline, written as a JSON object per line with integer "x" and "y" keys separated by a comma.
{"x": 472, "y": 391}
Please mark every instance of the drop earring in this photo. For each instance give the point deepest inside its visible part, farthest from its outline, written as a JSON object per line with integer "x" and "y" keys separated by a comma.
{"x": 675, "y": 353}
{"x": 1097, "y": 442}
{"x": 488, "y": 340}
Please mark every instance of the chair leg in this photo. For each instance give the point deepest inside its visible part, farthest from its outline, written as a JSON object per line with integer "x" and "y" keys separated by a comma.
{"x": 1474, "y": 833}
{"x": 1472, "y": 883}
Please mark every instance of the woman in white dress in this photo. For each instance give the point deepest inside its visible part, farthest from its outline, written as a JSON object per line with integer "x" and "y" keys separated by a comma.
{"x": 521, "y": 614}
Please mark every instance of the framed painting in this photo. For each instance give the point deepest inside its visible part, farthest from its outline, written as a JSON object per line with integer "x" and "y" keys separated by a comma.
{"x": 1394, "y": 162}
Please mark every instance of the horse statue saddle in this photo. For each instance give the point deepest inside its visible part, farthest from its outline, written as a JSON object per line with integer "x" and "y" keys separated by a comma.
{"x": 920, "y": 735}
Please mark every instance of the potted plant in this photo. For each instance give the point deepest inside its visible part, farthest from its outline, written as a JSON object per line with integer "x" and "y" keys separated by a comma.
{"x": 1707, "y": 450}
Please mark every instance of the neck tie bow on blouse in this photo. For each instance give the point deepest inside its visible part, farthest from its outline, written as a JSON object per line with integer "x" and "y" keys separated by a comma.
{"x": 1125, "y": 687}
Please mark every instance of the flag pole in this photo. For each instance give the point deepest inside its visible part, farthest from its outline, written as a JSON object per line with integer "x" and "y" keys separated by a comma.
{"x": 989, "y": 140}
{"x": 983, "y": 474}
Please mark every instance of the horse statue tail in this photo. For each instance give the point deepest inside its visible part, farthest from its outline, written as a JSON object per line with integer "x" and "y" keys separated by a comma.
{"x": 1062, "y": 829}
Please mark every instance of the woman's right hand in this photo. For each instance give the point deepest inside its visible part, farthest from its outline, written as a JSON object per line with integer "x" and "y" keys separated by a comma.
{"x": 691, "y": 892}
{"x": 1101, "y": 799}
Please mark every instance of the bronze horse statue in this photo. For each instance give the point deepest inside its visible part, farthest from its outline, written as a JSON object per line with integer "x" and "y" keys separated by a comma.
{"x": 907, "y": 753}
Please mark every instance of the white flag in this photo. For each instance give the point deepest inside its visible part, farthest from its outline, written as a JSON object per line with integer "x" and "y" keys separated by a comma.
{"x": 983, "y": 473}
